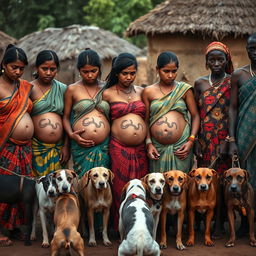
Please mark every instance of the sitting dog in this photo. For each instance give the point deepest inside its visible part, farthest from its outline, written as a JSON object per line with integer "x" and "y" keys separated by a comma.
{"x": 46, "y": 195}
{"x": 136, "y": 222}
{"x": 66, "y": 215}
{"x": 174, "y": 201}
{"x": 202, "y": 193}
{"x": 14, "y": 189}
{"x": 95, "y": 190}
{"x": 239, "y": 195}
{"x": 155, "y": 183}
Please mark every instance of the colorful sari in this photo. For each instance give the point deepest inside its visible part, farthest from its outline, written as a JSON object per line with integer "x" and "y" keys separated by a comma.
{"x": 46, "y": 157}
{"x": 127, "y": 162}
{"x": 86, "y": 158}
{"x": 213, "y": 106}
{"x": 15, "y": 155}
{"x": 246, "y": 132}
{"x": 158, "y": 108}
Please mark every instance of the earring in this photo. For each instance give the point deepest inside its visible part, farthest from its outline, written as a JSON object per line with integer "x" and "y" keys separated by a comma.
{"x": 2, "y": 71}
{"x": 157, "y": 75}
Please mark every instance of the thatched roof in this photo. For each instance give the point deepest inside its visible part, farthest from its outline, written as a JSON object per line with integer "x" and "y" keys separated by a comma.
{"x": 213, "y": 18}
{"x": 5, "y": 40}
{"x": 68, "y": 42}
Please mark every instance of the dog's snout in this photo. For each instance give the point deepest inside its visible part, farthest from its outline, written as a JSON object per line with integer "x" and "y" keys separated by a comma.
{"x": 234, "y": 187}
{"x": 158, "y": 190}
{"x": 65, "y": 188}
{"x": 101, "y": 184}
{"x": 175, "y": 188}
{"x": 51, "y": 192}
{"x": 203, "y": 187}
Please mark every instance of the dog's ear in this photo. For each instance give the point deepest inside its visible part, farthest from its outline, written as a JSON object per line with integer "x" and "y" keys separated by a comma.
{"x": 41, "y": 179}
{"x": 74, "y": 174}
{"x": 192, "y": 173}
{"x": 246, "y": 175}
{"x": 145, "y": 179}
{"x": 86, "y": 178}
{"x": 187, "y": 181}
{"x": 55, "y": 173}
{"x": 111, "y": 176}
{"x": 123, "y": 193}
{"x": 145, "y": 185}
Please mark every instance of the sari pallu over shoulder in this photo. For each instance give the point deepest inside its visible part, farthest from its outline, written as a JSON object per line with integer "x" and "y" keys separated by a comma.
{"x": 12, "y": 111}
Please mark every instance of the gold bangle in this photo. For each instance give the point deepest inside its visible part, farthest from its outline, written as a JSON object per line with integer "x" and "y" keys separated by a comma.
{"x": 192, "y": 138}
{"x": 148, "y": 141}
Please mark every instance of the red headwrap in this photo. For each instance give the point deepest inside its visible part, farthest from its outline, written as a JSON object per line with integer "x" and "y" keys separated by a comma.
{"x": 223, "y": 48}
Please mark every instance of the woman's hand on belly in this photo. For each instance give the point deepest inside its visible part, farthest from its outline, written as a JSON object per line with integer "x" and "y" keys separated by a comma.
{"x": 76, "y": 135}
{"x": 183, "y": 152}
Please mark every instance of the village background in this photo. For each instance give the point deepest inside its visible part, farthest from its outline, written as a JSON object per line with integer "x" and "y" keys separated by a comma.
{"x": 142, "y": 27}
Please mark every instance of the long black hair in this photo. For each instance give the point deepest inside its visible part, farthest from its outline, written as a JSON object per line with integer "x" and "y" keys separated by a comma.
{"x": 121, "y": 62}
{"x": 167, "y": 57}
{"x": 12, "y": 54}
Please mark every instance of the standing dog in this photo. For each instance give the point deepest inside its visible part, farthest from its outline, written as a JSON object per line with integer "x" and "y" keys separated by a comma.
{"x": 46, "y": 194}
{"x": 94, "y": 188}
{"x": 239, "y": 196}
{"x": 174, "y": 201}
{"x": 202, "y": 193}
{"x": 155, "y": 183}
{"x": 136, "y": 222}
{"x": 66, "y": 215}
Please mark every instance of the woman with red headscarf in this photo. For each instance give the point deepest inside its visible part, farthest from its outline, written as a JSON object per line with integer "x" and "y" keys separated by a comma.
{"x": 212, "y": 93}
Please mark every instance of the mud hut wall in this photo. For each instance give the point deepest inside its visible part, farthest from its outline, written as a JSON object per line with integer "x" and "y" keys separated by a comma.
{"x": 190, "y": 51}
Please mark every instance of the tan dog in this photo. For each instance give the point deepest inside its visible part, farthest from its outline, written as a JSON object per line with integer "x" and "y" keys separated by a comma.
{"x": 202, "y": 193}
{"x": 239, "y": 196}
{"x": 95, "y": 190}
{"x": 66, "y": 216}
{"x": 174, "y": 201}
{"x": 156, "y": 183}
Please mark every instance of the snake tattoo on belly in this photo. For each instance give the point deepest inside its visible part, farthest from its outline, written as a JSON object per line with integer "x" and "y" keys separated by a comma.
{"x": 170, "y": 125}
{"x": 87, "y": 122}
{"x": 43, "y": 124}
{"x": 125, "y": 124}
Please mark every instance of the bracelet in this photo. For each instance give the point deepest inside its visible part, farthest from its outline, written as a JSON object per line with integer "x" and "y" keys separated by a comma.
{"x": 230, "y": 139}
{"x": 192, "y": 138}
{"x": 148, "y": 141}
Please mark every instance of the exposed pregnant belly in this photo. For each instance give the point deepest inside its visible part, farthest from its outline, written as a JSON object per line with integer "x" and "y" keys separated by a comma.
{"x": 48, "y": 127}
{"x": 95, "y": 125}
{"x": 24, "y": 130}
{"x": 169, "y": 128}
{"x": 129, "y": 129}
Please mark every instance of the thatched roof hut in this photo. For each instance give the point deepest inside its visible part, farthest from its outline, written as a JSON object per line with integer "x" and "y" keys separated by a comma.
{"x": 4, "y": 41}
{"x": 187, "y": 26}
{"x": 68, "y": 42}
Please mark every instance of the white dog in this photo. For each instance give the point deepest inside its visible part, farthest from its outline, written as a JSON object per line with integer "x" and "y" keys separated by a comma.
{"x": 46, "y": 194}
{"x": 136, "y": 222}
{"x": 156, "y": 183}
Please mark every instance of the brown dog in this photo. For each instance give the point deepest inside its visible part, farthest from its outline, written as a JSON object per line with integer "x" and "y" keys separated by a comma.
{"x": 239, "y": 196}
{"x": 66, "y": 219}
{"x": 174, "y": 201}
{"x": 95, "y": 190}
{"x": 202, "y": 193}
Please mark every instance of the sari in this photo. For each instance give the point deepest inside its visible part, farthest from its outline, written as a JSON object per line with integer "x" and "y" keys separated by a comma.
{"x": 246, "y": 132}
{"x": 46, "y": 157}
{"x": 158, "y": 108}
{"x": 87, "y": 158}
{"x": 213, "y": 106}
{"x": 15, "y": 156}
{"x": 127, "y": 162}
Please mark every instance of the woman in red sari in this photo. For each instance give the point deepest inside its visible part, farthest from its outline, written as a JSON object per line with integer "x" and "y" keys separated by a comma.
{"x": 128, "y": 128}
{"x": 16, "y": 131}
{"x": 212, "y": 93}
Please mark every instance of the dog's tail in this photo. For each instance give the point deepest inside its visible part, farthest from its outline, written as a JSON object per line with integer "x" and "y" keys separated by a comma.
{"x": 140, "y": 244}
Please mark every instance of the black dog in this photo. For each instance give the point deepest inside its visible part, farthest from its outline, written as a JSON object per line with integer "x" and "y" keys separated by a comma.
{"x": 14, "y": 189}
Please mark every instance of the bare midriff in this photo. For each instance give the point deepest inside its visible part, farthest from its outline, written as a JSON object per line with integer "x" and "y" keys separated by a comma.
{"x": 48, "y": 127}
{"x": 24, "y": 129}
{"x": 169, "y": 128}
{"x": 129, "y": 129}
{"x": 95, "y": 125}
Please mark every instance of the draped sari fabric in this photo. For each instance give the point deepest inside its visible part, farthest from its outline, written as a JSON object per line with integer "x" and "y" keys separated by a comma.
{"x": 158, "y": 108}
{"x": 213, "y": 109}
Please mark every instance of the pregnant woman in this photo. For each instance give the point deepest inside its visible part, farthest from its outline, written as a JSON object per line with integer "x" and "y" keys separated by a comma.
{"x": 173, "y": 118}
{"x": 86, "y": 116}
{"x": 128, "y": 129}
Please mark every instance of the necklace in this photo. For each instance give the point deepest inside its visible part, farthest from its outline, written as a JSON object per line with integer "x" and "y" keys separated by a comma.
{"x": 126, "y": 92}
{"x": 219, "y": 81}
{"x": 91, "y": 96}
{"x": 42, "y": 91}
{"x": 163, "y": 91}
{"x": 251, "y": 71}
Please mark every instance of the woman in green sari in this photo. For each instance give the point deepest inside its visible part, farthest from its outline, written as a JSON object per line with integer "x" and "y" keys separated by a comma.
{"x": 173, "y": 118}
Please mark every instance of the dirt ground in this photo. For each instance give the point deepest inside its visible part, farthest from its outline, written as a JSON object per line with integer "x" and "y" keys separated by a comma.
{"x": 242, "y": 248}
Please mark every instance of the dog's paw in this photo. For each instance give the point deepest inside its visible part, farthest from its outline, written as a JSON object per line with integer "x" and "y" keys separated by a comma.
{"x": 107, "y": 243}
{"x": 229, "y": 244}
{"x": 209, "y": 242}
{"x": 33, "y": 237}
{"x": 190, "y": 243}
{"x": 92, "y": 243}
{"x": 180, "y": 247}
{"x": 45, "y": 245}
{"x": 163, "y": 245}
{"x": 253, "y": 242}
